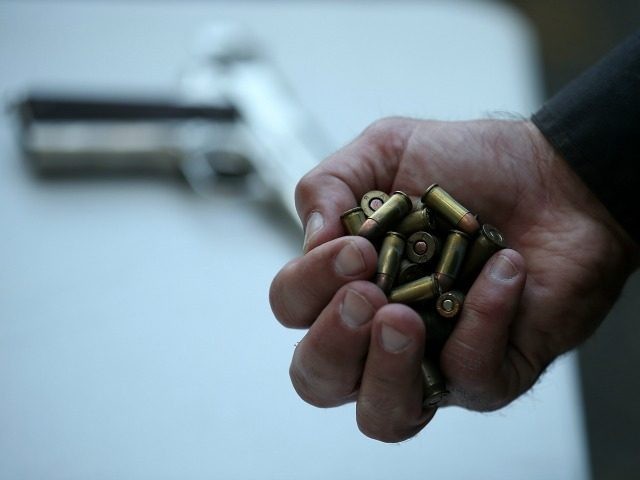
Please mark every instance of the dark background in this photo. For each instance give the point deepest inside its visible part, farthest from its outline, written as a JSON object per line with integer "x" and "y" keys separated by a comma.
{"x": 573, "y": 34}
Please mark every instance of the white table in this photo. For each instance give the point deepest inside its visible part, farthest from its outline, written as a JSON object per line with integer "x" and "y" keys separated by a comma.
{"x": 136, "y": 339}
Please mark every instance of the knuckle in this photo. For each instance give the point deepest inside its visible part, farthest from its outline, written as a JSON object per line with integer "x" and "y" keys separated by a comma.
{"x": 305, "y": 189}
{"x": 383, "y": 126}
{"x": 388, "y": 136}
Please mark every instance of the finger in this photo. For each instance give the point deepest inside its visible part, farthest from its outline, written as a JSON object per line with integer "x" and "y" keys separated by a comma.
{"x": 473, "y": 359}
{"x": 302, "y": 289}
{"x": 389, "y": 404}
{"x": 328, "y": 362}
{"x": 337, "y": 184}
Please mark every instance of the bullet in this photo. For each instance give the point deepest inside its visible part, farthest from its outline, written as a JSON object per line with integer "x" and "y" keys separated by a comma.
{"x": 437, "y": 199}
{"x": 372, "y": 201}
{"x": 451, "y": 258}
{"x": 421, "y": 247}
{"x": 424, "y": 288}
{"x": 418, "y": 220}
{"x": 450, "y": 303}
{"x": 352, "y": 220}
{"x": 410, "y": 271}
{"x": 488, "y": 242}
{"x": 389, "y": 260}
{"x": 433, "y": 383}
{"x": 389, "y": 214}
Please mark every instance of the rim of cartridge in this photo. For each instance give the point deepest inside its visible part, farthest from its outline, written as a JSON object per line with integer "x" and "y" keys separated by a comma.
{"x": 351, "y": 210}
{"x": 405, "y": 196}
{"x": 502, "y": 243}
{"x": 426, "y": 192}
{"x": 365, "y": 200}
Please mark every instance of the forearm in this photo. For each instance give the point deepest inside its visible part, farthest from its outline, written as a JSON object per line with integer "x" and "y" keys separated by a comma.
{"x": 594, "y": 123}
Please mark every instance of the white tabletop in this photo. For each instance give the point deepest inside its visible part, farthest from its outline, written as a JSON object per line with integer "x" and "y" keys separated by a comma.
{"x": 136, "y": 339}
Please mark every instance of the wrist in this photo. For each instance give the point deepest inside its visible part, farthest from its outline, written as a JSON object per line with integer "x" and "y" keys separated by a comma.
{"x": 569, "y": 195}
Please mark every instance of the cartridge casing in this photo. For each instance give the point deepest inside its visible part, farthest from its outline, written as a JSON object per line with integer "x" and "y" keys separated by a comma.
{"x": 424, "y": 288}
{"x": 438, "y": 329}
{"x": 418, "y": 220}
{"x": 451, "y": 258}
{"x": 372, "y": 201}
{"x": 410, "y": 271}
{"x": 437, "y": 199}
{"x": 488, "y": 242}
{"x": 449, "y": 304}
{"x": 389, "y": 260}
{"x": 433, "y": 384}
{"x": 421, "y": 247}
{"x": 385, "y": 217}
{"x": 352, "y": 220}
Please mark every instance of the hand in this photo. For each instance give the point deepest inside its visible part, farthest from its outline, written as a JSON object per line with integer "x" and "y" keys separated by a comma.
{"x": 529, "y": 305}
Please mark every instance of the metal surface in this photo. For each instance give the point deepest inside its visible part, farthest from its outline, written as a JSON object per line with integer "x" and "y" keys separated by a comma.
{"x": 488, "y": 242}
{"x": 424, "y": 288}
{"x": 451, "y": 258}
{"x": 390, "y": 212}
{"x": 418, "y": 220}
{"x": 389, "y": 260}
{"x": 437, "y": 199}
{"x": 352, "y": 220}
{"x": 434, "y": 386}
{"x": 372, "y": 201}
{"x": 410, "y": 271}
{"x": 449, "y": 304}
{"x": 422, "y": 247}
{"x": 437, "y": 328}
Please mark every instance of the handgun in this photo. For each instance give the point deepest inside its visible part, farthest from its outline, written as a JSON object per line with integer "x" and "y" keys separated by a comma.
{"x": 233, "y": 114}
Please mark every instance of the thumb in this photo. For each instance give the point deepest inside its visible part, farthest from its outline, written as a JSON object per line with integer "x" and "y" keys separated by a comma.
{"x": 473, "y": 358}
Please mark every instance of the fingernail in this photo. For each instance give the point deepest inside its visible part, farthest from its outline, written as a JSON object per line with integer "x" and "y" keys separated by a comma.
{"x": 314, "y": 225}
{"x": 355, "y": 309}
{"x": 349, "y": 261}
{"x": 503, "y": 268}
{"x": 392, "y": 340}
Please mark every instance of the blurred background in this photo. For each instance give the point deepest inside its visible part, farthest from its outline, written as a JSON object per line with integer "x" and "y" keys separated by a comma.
{"x": 92, "y": 388}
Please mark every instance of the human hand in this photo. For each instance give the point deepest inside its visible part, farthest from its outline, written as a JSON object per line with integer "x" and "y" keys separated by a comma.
{"x": 528, "y": 305}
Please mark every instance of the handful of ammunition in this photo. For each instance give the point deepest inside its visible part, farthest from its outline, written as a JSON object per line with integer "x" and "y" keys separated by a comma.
{"x": 429, "y": 254}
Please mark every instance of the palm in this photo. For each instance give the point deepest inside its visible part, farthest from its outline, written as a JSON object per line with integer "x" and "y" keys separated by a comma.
{"x": 505, "y": 179}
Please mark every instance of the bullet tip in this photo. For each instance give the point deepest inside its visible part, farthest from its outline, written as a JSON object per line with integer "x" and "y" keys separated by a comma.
{"x": 369, "y": 229}
{"x": 385, "y": 282}
{"x": 469, "y": 224}
{"x": 445, "y": 282}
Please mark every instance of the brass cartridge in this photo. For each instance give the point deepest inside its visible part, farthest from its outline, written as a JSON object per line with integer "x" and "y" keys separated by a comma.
{"x": 433, "y": 384}
{"x": 389, "y": 214}
{"x": 438, "y": 329}
{"x": 410, "y": 271}
{"x": 372, "y": 201}
{"x": 449, "y": 304}
{"x": 488, "y": 242}
{"x": 418, "y": 220}
{"x": 437, "y": 199}
{"x": 424, "y": 288}
{"x": 451, "y": 258}
{"x": 421, "y": 247}
{"x": 389, "y": 260}
{"x": 352, "y": 220}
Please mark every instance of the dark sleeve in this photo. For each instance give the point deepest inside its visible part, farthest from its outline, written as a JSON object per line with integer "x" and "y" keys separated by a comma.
{"x": 594, "y": 122}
